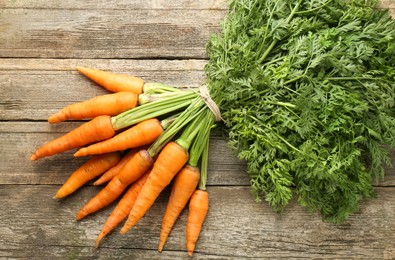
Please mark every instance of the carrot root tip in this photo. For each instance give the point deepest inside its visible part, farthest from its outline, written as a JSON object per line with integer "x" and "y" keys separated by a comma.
{"x": 123, "y": 231}
{"x": 79, "y": 153}
{"x": 81, "y": 215}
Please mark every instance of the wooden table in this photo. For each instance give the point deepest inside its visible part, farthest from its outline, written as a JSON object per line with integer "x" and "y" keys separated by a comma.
{"x": 41, "y": 42}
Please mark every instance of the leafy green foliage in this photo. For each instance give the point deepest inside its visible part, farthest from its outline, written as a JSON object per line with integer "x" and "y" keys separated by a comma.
{"x": 307, "y": 90}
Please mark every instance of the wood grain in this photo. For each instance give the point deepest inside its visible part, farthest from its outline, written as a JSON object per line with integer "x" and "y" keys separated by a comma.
{"x": 227, "y": 233}
{"x": 20, "y": 139}
{"x": 30, "y": 89}
{"x": 41, "y": 43}
{"x": 128, "y": 33}
{"x": 117, "y": 4}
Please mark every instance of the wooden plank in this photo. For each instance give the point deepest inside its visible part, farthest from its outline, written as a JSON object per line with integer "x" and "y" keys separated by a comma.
{"x": 20, "y": 139}
{"x": 49, "y": 225}
{"x": 75, "y": 33}
{"x": 116, "y": 4}
{"x": 30, "y": 87}
{"x": 46, "y": 31}
{"x": 136, "y": 4}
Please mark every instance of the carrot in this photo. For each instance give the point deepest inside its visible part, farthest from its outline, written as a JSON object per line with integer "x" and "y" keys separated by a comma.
{"x": 133, "y": 170}
{"x": 123, "y": 207}
{"x": 98, "y": 129}
{"x": 109, "y": 104}
{"x": 172, "y": 156}
{"x": 198, "y": 208}
{"x": 108, "y": 175}
{"x": 113, "y": 82}
{"x": 184, "y": 185}
{"x": 89, "y": 170}
{"x": 143, "y": 133}
{"x": 170, "y": 160}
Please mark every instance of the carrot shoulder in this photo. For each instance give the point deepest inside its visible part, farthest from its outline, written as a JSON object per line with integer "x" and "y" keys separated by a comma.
{"x": 184, "y": 185}
{"x": 123, "y": 207}
{"x": 170, "y": 160}
{"x": 95, "y": 130}
{"x": 133, "y": 170}
{"x": 143, "y": 133}
{"x": 88, "y": 171}
{"x": 112, "y": 81}
{"x": 109, "y": 104}
{"x": 198, "y": 208}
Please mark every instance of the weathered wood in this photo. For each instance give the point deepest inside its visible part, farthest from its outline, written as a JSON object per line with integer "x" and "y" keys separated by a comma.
{"x": 41, "y": 42}
{"x": 117, "y": 4}
{"x": 129, "y": 33}
{"x": 32, "y": 90}
{"x": 20, "y": 139}
{"x": 31, "y": 220}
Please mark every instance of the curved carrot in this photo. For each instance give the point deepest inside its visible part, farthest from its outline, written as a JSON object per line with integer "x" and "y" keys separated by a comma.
{"x": 184, "y": 185}
{"x": 143, "y": 133}
{"x": 98, "y": 129}
{"x": 170, "y": 160}
{"x": 109, "y": 104}
{"x": 137, "y": 166}
{"x": 123, "y": 207}
{"x": 108, "y": 175}
{"x": 198, "y": 208}
{"x": 113, "y": 82}
{"x": 89, "y": 170}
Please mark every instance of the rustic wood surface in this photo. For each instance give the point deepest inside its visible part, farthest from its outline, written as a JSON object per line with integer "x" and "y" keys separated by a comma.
{"x": 41, "y": 42}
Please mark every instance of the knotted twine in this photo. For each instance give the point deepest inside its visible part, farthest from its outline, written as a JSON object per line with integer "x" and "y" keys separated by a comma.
{"x": 204, "y": 93}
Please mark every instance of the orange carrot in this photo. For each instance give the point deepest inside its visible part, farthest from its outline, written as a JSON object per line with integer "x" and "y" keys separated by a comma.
{"x": 123, "y": 207}
{"x": 109, "y": 104}
{"x": 98, "y": 129}
{"x": 88, "y": 171}
{"x": 143, "y": 133}
{"x": 133, "y": 170}
{"x": 108, "y": 175}
{"x": 113, "y": 82}
{"x": 198, "y": 208}
{"x": 184, "y": 185}
{"x": 170, "y": 160}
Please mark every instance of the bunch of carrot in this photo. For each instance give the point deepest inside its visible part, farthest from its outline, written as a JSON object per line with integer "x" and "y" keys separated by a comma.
{"x": 141, "y": 137}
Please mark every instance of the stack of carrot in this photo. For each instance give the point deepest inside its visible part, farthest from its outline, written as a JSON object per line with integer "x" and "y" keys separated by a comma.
{"x": 140, "y": 138}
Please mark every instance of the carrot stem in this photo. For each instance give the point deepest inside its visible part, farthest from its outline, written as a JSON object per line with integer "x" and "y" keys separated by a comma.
{"x": 190, "y": 132}
{"x": 156, "y": 88}
{"x": 154, "y": 109}
{"x": 193, "y": 110}
{"x": 204, "y": 164}
{"x": 148, "y": 98}
{"x": 201, "y": 139}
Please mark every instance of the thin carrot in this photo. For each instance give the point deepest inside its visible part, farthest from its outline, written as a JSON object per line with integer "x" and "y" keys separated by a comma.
{"x": 108, "y": 175}
{"x": 109, "y": 104}
{"x": 88, "y": 171}
{"x": 133, "y": 170}
{"x": 112, "y": 81}
{"x": 143, "y": 133}
{"x": 98, "y": 129}
{"x": 199, "y": 202}
{"x": 184, "y": 185}
{"x": 170, "y": 160}
{"x": 198, "y": 208}
{"x": 123, "y": 207}
{"x": 187, "y": 179}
